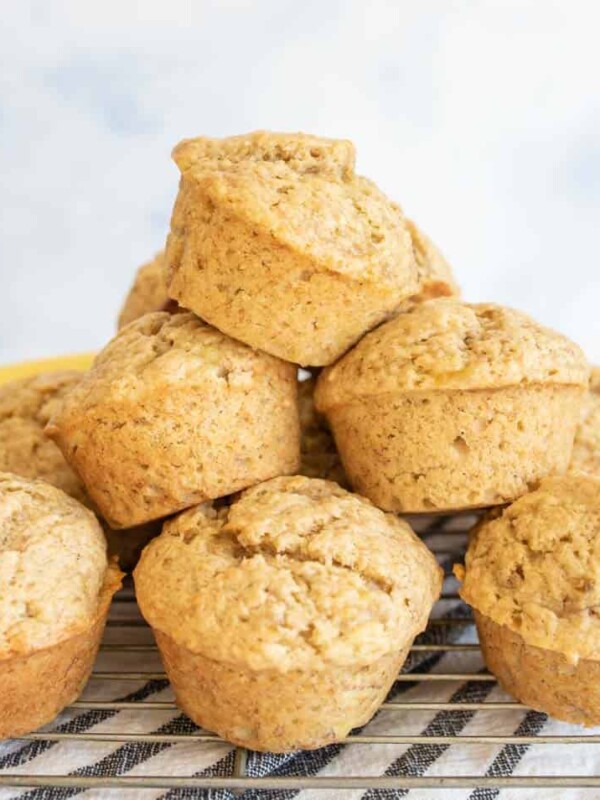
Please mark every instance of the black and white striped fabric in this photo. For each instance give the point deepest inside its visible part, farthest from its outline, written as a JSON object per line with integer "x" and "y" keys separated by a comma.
{"x": 146, "y": 707}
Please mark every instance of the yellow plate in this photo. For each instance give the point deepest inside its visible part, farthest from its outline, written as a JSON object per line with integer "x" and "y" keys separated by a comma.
{"x": 25, "y": 368}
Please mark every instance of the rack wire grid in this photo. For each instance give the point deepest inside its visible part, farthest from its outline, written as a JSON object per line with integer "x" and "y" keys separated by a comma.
{"x": 445, "y": 726}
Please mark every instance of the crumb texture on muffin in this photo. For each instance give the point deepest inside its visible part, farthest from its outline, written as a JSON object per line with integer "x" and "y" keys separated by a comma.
{"x": 26, "y": 406}
{"x": 534, "y": 568}
{"x": 586, "y": 449}
{"x": 446, "y": 344}
{"x": 53, "y": 565}
{"x": 295, "y": 574}
{"x": 148, "y": 292}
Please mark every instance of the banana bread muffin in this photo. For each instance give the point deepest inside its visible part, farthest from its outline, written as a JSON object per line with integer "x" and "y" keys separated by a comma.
{"x": 26, "y": 405}
{"x": 531, "y": 576}
{"x": 55, "y": 589}
{"x": 172, "y": 413}
{"x": 318, "y": 453}
{"x": 434, "y": 274}
{"x": 275, "y": 241}
{"x": 453, "y": 406}
{"x": 283, "y": 619}
{"x": 586, "y": 450}
{"x": 148, "y": 293}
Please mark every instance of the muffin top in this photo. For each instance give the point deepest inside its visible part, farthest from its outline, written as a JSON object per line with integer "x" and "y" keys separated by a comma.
{"x": 162, "y": 349}
{"x": 26, "y": 405}
{"x": 303, "y": 192}
{"x": 434, "y": 274}
{"x": 148, "y": 293}
{"x": 445, "y": 344}
{"x": 52, "y": 565}
{"x": 535, "y": 568}
{"x": 296, "y": 573}
{"x": 300, "y": 151}
{"x": 586, "y": 449}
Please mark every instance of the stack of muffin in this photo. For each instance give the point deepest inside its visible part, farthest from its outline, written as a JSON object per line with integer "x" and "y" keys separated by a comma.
{"x": 283, "y": 605}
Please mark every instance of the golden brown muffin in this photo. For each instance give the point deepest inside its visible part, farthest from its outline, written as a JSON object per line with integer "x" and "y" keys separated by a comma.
{"x": 172, "y": 413}
{"x": 531, "y": 576}
{"x": 283, "y": 619}
{"x": 26, "y": 405}
{"x": 55, "y": 589}
{"x": 275, "y": 241}
{"x": 434, "y": 274}
{"x": 319, "y": 457}
{"x": 148, "y": 292}
{"x": 453, "y": 406}
{"x": 586, "y": 449}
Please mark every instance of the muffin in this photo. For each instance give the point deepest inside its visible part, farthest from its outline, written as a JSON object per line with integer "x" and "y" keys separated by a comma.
{"x": 275, "y": 241}
{"x": 453, "y": 406}
{"x": 55, "y": 589}
{"x": 283, "y": 618}
{"x": 172, "y": 413}
{"x": 148, "y": 293}
{"x": 434, "y": 274}
{"x": 531, "y": 575}
{"x": 586, "y": 449}
{"x": 319, "y": 457}
{"x": 26, "y": 406}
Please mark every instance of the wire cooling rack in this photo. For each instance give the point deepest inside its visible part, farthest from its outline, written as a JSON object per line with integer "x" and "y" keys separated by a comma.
{"x": 446, "y": 725}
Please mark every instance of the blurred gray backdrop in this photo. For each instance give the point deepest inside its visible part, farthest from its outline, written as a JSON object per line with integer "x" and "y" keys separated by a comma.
{"x": 481, "y": 118}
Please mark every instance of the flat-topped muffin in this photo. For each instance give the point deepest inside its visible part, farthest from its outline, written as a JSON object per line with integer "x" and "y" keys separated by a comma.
{"x": 586, "y": 449}
{"x": 275, "y": 241}
{"x": 55, "y": 589}
{"x": 174, "y": 412}
{"x": 284, "y": 617}
{"x": 148, "y": 292}
{"x": 531, "y": 576}
{"x": 454, "y": 405}
{"x": 26, "y": 405}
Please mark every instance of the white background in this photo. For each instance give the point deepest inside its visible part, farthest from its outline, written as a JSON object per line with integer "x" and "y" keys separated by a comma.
{"x": 481, "y": 118}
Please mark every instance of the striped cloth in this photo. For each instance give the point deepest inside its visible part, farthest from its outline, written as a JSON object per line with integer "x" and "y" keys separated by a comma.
{"x": 79, "y": 757}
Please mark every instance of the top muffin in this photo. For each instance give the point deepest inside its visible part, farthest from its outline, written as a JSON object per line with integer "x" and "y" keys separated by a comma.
{"x": 295, "y": 574}
{"x": 277, "y": 242}
{"x": 445, "y": 344}
{"x": 26, "y": 406}
{"x": 534, "y": 568}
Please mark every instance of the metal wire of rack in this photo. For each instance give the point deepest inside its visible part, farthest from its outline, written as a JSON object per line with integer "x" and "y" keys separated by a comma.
{"x": 131, "y": 739}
